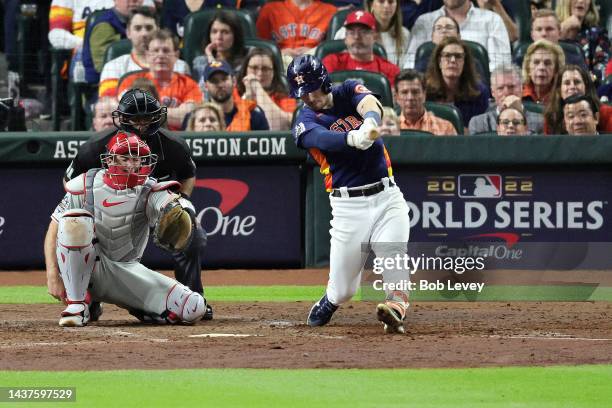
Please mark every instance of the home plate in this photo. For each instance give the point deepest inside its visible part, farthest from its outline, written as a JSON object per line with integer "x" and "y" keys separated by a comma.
{"x": 223, "y": 335}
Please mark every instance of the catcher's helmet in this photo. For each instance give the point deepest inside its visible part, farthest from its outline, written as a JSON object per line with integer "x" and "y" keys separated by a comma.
{"x": 139, "y": 112}
{"x": 128, "y": 161}
{"x": 306, "y": 74}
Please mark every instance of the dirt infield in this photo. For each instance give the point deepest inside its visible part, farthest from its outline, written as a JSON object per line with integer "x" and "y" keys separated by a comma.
{"x": 274, "y": 335}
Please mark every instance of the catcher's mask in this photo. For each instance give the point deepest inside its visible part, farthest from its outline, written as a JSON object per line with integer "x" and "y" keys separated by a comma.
{"x": 139, "y": 112}
{"x": 128, "y": 161}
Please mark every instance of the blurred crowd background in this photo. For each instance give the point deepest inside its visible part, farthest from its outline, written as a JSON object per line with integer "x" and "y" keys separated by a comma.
{"x": 440, "y": 67}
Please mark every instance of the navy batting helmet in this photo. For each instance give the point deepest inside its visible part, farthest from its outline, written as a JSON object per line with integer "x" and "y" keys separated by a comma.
{"x": 306, "y": 74}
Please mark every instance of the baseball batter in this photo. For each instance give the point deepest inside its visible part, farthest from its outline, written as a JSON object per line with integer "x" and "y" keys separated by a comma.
{"x": 339, "y": 126}
{"x": 103, "y": 228}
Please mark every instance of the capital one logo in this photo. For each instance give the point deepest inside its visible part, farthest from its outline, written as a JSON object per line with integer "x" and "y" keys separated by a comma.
{"x": 217, "y": 220}
{"x": 2, "y": 220}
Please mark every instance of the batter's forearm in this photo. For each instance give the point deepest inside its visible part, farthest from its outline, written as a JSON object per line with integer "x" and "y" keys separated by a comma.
{"x": 323, "y": 139}
{"x": 370, "y": 107}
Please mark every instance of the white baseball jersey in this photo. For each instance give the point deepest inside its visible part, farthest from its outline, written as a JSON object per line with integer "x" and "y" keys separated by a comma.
{"x": 114, "y": 69}
{"x": 122, "y": 218}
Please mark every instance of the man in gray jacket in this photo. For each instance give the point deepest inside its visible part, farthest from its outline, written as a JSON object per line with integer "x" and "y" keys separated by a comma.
{"x": 506, "y": 88}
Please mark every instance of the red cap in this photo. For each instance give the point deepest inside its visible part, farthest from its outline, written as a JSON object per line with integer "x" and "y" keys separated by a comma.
{"x": 361, "y": 17}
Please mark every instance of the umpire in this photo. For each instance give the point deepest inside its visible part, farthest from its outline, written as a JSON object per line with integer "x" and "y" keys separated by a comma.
{"x": 139, "y": 112}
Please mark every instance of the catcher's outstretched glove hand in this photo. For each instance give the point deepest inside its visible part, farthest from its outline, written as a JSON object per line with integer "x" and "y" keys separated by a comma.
{"x": 174, "y": 229}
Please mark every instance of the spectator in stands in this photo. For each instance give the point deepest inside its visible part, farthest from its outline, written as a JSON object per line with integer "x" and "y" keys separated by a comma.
{"x": 109, "y": 27}
{"x": 541, "y": 66}
{"x": 206, "y": 117}
{"x": 175, "y": 11}
{"x": 536, "y": 5}
{"x": 178, "y": 92}
{"x": 390, "y": 122}
{"x": 609, "y": 68}
{"x": 67, "y": 21}
{"x": 580, "y": 23}
{"x": 259, "y": 80}
{"x": 391, "y": 34}
{"x": 103, "y": 113}
{"x": 223, "y": 41}
{"x": 140, "y": 27}
{"x": 241, "y": 115}
{"x": 452, "y": 78}
{"x": 443, "y": 27}
{"x": 504, "y": 10}
{"x": 413, "y": 9}
{"x": 545, "y": 25}
{"x": 512, "y": 122}
{"x": 360, "y": 37}
{"x": 297, "y": 26}
{"x": 506, "y": 88}
{"x": 580, "y": 115}
{"x": 410, "y": 96}
{"x": 573, "y": 80}
{"x": 478, "y": 25}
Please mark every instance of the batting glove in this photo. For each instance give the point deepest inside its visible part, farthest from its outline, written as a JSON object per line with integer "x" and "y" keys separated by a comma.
{"x": 359, "y": 139}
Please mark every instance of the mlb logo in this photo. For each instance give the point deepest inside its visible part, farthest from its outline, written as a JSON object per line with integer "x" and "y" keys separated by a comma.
{"x": 480, "y": 186}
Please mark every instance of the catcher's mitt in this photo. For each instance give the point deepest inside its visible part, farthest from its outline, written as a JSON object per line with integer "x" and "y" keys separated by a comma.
{"x": 174, "y": 228}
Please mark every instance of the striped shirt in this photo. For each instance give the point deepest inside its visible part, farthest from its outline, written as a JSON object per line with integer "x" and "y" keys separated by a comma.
{"x": 482, "y": 26}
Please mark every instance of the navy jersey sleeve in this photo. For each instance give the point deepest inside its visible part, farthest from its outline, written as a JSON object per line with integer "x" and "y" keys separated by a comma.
{"x": 353, "y": 91}
{"x": 308, "y": 134}
{"x": 259, "y": 120}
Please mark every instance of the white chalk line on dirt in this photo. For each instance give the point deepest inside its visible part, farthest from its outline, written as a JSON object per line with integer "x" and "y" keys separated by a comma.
{"x": 554, "y": 336}
{"x": 212, "y": 335}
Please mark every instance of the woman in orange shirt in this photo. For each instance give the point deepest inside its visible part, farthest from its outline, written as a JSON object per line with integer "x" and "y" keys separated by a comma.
{"x": 259, "y": 80}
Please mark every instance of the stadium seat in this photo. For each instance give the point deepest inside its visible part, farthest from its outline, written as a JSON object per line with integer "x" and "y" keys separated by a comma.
{"x": 448, "y": 112}
{"x": 533, "y": 107}
{"x": 117, "y": 49}
{"x": 334, "y": 46}
{"x": 480, "y": 54}
{"x": 195, "y": 30}
{"x": 415, "y": 133}
{"x": 337, "y": 22}
{"x": 374, "y": 81}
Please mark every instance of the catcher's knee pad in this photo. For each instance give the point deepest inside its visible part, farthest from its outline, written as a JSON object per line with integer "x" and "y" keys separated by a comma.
{"x": 76, "y": 255}
{"x": 186, "y": 305}
{"x": 76, "y": 229}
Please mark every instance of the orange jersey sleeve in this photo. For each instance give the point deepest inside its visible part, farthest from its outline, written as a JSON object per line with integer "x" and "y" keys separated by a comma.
{"x": 291, "y": 27}
{"x": 60, "y": 17}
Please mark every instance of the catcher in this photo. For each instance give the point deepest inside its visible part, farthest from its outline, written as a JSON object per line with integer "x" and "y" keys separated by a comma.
{"x": 103, "y": 228}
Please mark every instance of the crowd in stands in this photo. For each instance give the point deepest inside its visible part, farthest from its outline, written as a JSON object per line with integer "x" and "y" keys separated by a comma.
{"x": 452, "y": 66}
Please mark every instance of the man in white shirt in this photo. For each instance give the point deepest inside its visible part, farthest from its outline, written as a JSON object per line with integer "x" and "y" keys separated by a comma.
{"x": 478, "y": 25}
{"x": 141, "y": 25}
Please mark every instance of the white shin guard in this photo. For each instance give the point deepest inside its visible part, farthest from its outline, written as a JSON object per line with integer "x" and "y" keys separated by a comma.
{"x": 76, "y": 255}
{"x": 184, "y": 305}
